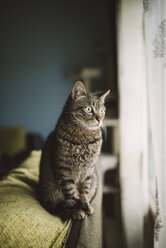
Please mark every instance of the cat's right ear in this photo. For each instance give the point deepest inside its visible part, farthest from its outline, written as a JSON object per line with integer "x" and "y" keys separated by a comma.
{"x": 78, "y": 91}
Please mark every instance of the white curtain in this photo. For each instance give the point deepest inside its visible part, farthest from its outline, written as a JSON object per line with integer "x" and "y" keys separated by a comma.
{"x": 155, "y": 40}
{"x": 141, "y": 43}
{"x": 133, "y": 124}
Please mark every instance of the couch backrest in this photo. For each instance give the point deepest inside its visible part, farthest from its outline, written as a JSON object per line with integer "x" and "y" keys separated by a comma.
{"x": 12, "y": 140}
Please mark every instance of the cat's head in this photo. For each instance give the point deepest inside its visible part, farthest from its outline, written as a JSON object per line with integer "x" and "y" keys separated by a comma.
{"x": 87, "y": 109}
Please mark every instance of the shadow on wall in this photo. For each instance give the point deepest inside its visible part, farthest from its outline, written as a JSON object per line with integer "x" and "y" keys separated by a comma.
{"x": 40, "y": 43}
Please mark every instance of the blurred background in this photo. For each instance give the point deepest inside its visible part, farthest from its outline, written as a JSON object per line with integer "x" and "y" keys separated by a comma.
{"x": 42, "y": 45}
{"x": 45, "y": 47}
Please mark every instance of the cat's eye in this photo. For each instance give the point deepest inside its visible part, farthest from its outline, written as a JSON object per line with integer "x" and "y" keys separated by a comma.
{"x": 88, "y": 109}
{"x": 102, "y": 111}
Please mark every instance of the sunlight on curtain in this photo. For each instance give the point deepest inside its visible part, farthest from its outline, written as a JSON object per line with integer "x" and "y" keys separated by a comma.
{"x": 155, "y": 39}
{"x": 132, "y": 81}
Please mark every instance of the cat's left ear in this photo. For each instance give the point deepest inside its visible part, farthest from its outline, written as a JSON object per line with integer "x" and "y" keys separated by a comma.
{"x": 103, "y": 97}
{"x": 78, "y": 90}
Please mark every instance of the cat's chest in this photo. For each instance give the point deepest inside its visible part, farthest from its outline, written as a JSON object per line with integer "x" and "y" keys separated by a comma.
{"x": 86, "y": 153}
{"x": 84, "y": 160}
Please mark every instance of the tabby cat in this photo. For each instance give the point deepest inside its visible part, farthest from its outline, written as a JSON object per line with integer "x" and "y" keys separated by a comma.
{"x": 68, "y": 180}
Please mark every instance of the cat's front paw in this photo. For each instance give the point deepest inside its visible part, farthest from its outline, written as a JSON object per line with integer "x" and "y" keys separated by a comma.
{"x": 65, "y": 208}
{"x": 69, "y": 204}
{"x": 90, "y": 210}
{"x": 78, "y": 215}
{"x": 81, "y": 204}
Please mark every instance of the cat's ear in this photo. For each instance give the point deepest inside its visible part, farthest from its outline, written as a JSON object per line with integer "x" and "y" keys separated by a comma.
{"x": 103, "y": 96}
{"x": 78, "y": 90}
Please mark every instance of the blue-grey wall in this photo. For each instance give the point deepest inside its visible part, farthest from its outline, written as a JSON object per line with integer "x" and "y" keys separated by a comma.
{"x": 40, "y": 42}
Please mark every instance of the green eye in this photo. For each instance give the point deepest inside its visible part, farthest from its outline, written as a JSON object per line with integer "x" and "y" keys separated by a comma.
{"x": 101, "y": 111}
{"x": 88, "y": 109}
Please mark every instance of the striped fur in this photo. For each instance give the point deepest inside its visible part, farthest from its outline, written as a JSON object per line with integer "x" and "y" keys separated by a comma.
{"x": 68, "y": 180}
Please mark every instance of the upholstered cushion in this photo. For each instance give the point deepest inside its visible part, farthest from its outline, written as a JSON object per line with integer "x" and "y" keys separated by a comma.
{"x": 23, "y": 221}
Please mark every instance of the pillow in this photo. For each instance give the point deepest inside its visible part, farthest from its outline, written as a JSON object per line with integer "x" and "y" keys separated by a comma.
{"x": 12, "y": 140}
{"x": 23, "y": 221}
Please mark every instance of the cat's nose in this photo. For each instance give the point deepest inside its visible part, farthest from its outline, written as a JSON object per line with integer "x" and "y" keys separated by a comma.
{"x": 98, "y": 118}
